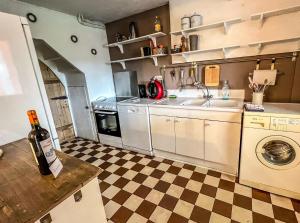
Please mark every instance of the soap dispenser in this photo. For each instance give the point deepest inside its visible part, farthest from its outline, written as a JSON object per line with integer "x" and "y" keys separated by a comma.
{"x": 225, "y": 90}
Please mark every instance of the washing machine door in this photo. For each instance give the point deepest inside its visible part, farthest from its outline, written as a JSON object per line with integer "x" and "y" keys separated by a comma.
{"x": 278, "y": 152}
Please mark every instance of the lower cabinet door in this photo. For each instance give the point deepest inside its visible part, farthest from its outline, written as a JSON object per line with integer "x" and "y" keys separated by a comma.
{"x": 222, "y": 142}
{"x": 162, "y": 133}
{"x": 84, "y": 206}
{"x": 189, "y": 137}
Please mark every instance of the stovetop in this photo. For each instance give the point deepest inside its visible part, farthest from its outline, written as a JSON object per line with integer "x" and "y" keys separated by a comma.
{"x": 109, "y": 104}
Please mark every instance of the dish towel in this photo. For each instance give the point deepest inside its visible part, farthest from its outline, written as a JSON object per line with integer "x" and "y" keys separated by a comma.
{"x": 252, "y": 107}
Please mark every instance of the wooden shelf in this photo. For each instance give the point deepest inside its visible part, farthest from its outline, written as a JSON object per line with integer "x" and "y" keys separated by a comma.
{"x": 262, "y": 16}
{"x": 261, "y": 44}
{"x": 152, "y": 36}
{"x": 153, "y": 57}
{"x": 225, "y": 49}
{"x": 225, "y": 25}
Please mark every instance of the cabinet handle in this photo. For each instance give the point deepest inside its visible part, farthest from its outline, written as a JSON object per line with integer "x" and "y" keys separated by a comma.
{"x": 46, "y": 219}
{"x": 176, "y": 121}
{"x": 206, "y": 124}
{"x": 78, "y": 196}
{"x": 258, "y": 123}
{"x": 167, "y": 120}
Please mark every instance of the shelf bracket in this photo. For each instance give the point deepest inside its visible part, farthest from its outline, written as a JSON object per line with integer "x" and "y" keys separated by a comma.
{"x": 262, "y": 20}
{"x": 155, "y": 61}
{"x": 259, "y": 47}
{"x": 185, "y": 56}
{"x": 226, "y": 27}
{"x": 224, "y": 52}
{"x": 123, "y": 64}
{"x": 120, "y": 46}
{"x": 153, "y": 40}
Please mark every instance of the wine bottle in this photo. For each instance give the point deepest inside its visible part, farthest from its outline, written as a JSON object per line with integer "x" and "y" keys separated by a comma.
{"x": 41, "y": 144}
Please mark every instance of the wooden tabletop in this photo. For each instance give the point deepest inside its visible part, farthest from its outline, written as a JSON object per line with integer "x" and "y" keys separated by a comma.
{"x": 26, "y": 195}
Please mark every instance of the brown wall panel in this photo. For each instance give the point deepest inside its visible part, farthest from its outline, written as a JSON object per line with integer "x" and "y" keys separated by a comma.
{"x": 145, "y": 25}
{"x": 296, "y": 83}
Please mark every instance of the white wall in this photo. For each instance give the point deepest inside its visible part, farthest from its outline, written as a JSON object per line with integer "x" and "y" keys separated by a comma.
{"x": 56, "y": 28}
{"x": 274, "y": 28}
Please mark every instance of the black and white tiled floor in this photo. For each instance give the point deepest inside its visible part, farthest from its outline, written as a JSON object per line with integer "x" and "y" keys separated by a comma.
{"x": 138, "y": 188}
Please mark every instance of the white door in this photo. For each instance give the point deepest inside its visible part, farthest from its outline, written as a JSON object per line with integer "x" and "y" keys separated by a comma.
{"x": 134, "y": 124}
{"x": 189, "y": 137}
{"x": 222, "y": 142}
{"x": 19, "y": 84}
{"x": 162, "y": 132}
{"x": 82, "y": 113}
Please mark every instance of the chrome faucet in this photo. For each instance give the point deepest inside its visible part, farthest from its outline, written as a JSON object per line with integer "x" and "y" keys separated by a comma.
{"x": 202, "y": 86}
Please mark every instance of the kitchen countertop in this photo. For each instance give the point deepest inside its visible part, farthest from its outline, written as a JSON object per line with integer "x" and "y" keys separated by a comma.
{"x": 177, "y": 103}
{"x": 26, "y": 195}
{"x": 137, "y": 101}
{"x": 278, "y": 108}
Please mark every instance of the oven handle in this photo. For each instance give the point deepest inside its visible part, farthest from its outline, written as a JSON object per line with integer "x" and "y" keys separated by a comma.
{"x": 105, "y": 113}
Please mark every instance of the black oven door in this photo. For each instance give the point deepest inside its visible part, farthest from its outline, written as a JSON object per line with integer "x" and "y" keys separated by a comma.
{"x": 108, "y": 123}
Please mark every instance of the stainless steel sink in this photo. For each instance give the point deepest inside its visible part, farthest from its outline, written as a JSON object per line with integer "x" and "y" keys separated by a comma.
{"x": 194, "y": 102}
{"x": 231, "y": 103}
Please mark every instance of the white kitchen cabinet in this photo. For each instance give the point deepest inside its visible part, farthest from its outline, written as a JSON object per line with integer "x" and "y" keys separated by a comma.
{"x": 189, "y": 137}
{"x": 222, "y": 142}
{"x": 88, "y": 207}
{"x": 162, "y": 131}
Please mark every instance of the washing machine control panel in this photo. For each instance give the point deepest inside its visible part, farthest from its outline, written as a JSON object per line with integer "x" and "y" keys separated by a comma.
{"x": 285, "y": 124}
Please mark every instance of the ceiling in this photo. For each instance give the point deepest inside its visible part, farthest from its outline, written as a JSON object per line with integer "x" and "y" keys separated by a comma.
{"x": 101, "y": 10}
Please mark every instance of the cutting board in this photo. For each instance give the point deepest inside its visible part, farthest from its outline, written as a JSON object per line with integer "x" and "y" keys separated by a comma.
{"x": 212, "y": 75}
{"x": 259, "y": 76}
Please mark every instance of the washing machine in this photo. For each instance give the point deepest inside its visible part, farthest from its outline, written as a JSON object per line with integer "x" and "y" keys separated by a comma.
{"x": 270, "y": 153}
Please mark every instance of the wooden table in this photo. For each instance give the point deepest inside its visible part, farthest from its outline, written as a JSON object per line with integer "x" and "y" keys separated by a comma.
{"x": 26, "y": 195}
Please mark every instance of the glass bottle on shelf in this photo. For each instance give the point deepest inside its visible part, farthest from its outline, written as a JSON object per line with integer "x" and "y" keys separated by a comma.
{"x": 157, "y": 24}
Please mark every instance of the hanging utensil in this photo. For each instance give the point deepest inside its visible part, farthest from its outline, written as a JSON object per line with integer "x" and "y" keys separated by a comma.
{"x": 189, "y": 80}
{"x": 181, "y": 73}
{"x": 257, "y": 64}
{"x": 173, "y": 74}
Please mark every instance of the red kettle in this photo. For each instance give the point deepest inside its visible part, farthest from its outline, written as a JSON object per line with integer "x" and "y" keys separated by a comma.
{"x": 155, "y": 89}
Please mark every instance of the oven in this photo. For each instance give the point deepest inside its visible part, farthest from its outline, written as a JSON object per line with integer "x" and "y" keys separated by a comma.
{"x": 108, "y": 122}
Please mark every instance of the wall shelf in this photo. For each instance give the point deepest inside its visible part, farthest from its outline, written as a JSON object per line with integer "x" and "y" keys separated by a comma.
{"x": 153, "y": 57}
{"x": 262, "y": 16}
{"x": 260, "y": 45}
{"x": 225, "y": 25}
{"x": 152, "y": 36}
{"x": 225, "y": 50}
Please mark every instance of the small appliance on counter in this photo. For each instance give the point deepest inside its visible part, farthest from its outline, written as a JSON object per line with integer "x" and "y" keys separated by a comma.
{"x": 142, "y": 91}
{"x": 155, "y": 89}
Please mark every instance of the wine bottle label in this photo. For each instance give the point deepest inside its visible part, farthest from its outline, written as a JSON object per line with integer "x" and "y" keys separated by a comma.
{"x": 48, "y": 150}
{"x": 32, "y": 149}
{"x": 56, "y": 167}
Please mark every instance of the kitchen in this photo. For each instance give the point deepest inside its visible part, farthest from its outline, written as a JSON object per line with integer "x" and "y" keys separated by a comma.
{"x": 185, "y": 114}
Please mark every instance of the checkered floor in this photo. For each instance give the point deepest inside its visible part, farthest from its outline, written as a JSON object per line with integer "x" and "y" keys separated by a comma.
{"x": 138, "y": 188}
